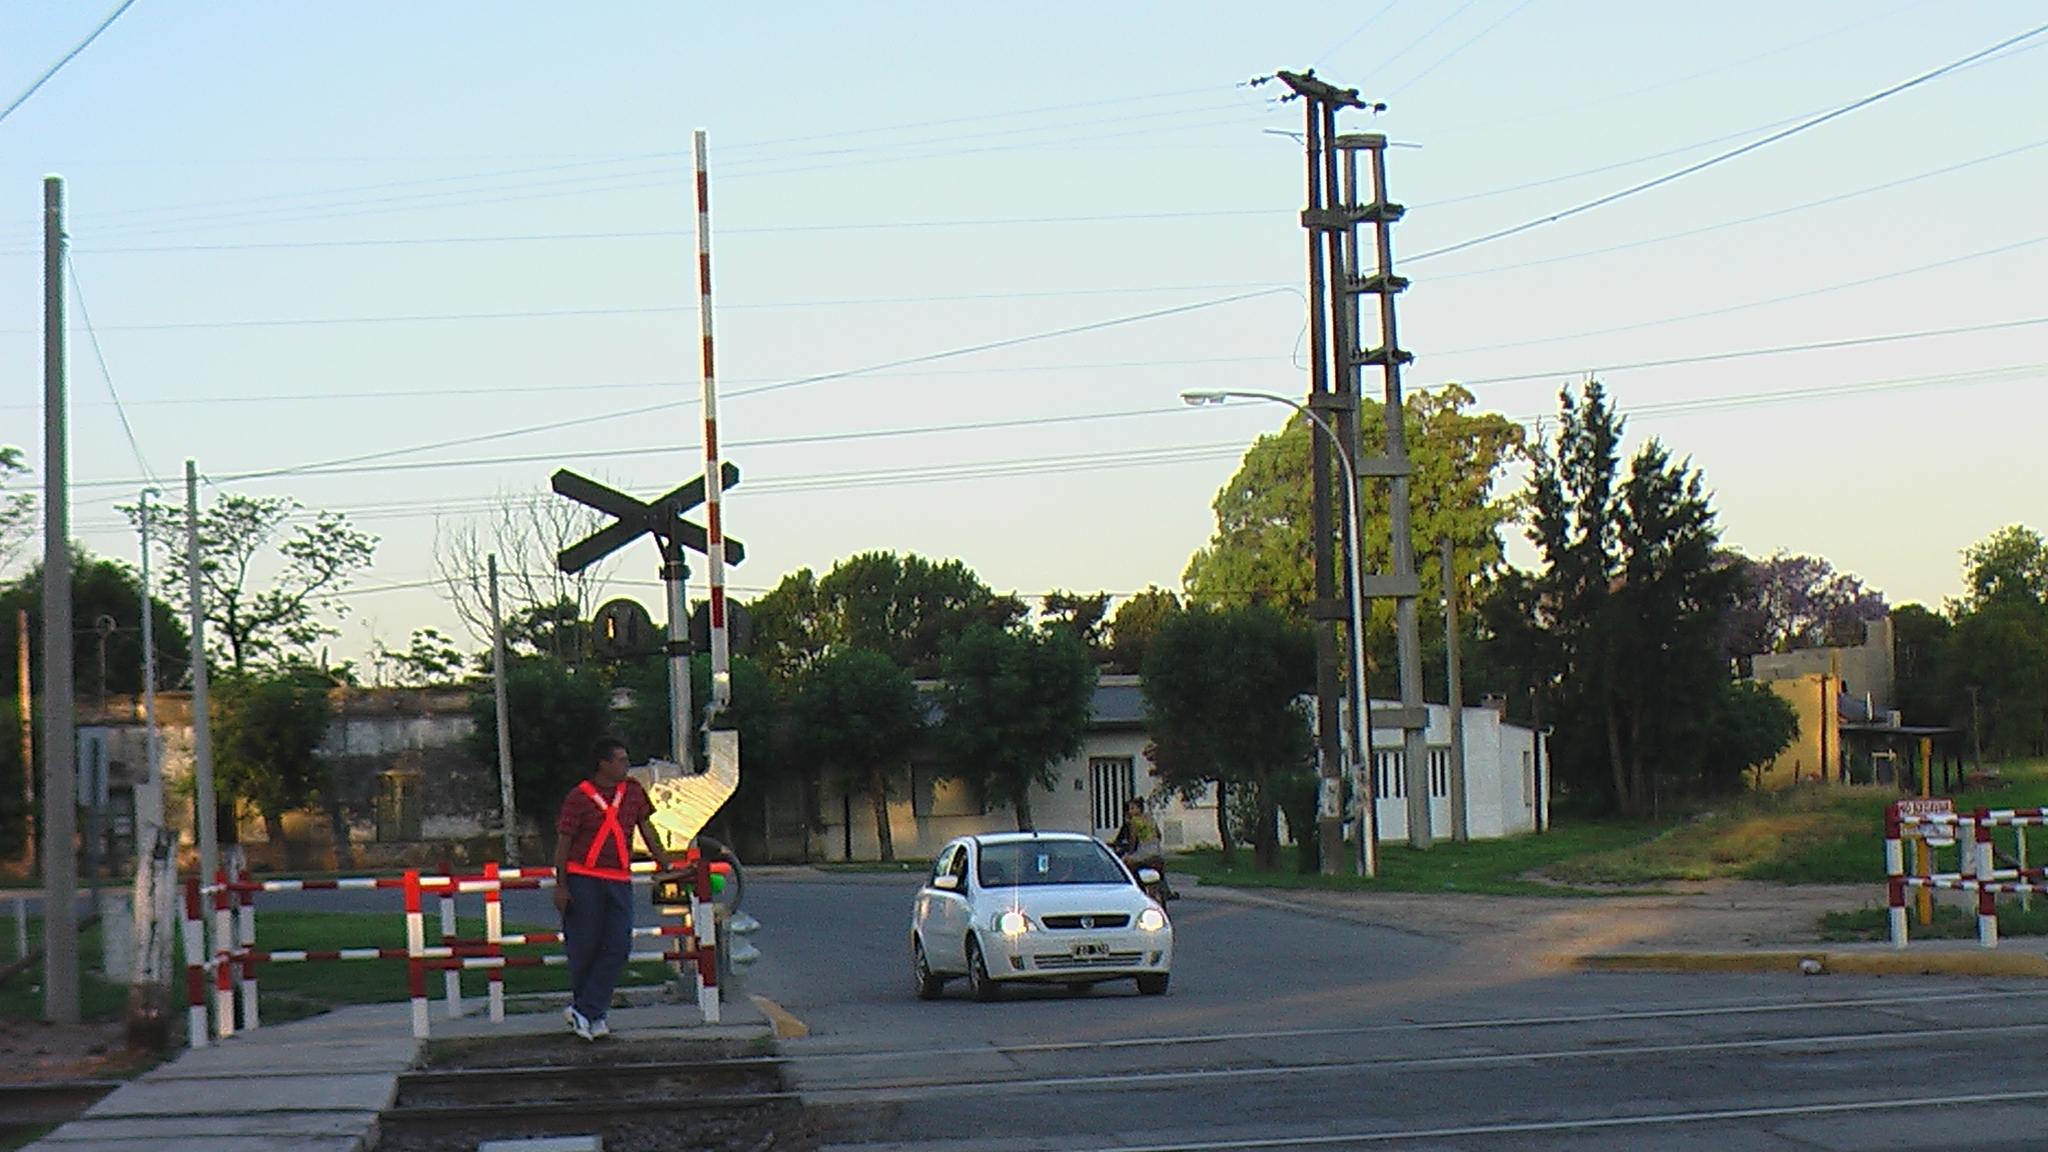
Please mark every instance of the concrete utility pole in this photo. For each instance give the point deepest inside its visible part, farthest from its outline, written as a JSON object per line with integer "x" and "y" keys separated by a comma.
{"x": 202, "y": 721}
{"x": 149, "y": 793}
{"x": 511, "y": 814}
{"x": 1339, "y": 409}
{"x": 25, "y": 700}
{"x": 60, "y": 812}
{"x": 675, "y": 576}
{"x": 1454, "y": 659}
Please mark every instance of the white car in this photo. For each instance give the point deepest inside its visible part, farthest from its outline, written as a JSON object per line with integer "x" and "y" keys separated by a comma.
{"x": 1043, "y": 907}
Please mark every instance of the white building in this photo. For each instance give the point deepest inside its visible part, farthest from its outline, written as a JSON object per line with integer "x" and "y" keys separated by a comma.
{"x": 1502, "y": 773}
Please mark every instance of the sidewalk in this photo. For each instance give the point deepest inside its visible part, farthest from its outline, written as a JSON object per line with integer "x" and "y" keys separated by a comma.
{"x": 1709, "y": 926}
{"x": 319, "y": 1085}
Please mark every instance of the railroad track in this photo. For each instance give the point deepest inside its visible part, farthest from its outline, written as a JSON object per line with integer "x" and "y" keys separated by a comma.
{"x": 728, "y": 1102}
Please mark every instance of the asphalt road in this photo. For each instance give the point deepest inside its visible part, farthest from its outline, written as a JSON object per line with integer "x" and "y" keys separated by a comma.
{"x": 1284, "y": 1030}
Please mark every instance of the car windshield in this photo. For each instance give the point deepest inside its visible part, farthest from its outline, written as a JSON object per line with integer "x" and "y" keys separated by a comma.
{"x": 1048, "y": 862}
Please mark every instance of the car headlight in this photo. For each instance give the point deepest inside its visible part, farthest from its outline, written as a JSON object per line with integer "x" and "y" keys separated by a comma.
{"x": 1012, "y": 923}
{"x": 1151, "y": 919}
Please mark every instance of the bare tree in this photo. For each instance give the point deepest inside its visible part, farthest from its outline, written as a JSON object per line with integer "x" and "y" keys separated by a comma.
{"x": 544, "y": 608}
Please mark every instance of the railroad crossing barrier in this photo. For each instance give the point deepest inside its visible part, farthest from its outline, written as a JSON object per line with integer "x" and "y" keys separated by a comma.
{"x": 225, "y": 974}
{"x": 1979, "y": 874}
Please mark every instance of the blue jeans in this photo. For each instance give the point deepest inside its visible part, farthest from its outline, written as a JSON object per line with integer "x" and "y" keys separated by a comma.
{"x": 597, "y": 932}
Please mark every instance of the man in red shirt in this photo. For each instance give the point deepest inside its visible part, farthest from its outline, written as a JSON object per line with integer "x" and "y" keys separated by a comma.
{"x": 593, "y": 881}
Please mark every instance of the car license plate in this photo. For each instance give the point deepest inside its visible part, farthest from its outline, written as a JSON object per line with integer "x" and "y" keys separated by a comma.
{"x": 1090, "y": 951}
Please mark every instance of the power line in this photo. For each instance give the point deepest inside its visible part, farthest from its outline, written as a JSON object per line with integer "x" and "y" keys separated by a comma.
{"x": 1417, "y": 42}
{"x": 99, "y": 354}
{"x": 1773, "y": 214}
{"x": 1732, "y": 153}
{"x": 424, "y": 391}
{"x": 1746, "y": 353}
{"x": 801, "y": 381}
{"x": 1789, "y": 297}
{"x": 53, "y": 69}
{"x": 657, "y": 309}
{"x": 1440, "y": 61}
{"x": 1368, "y": 22}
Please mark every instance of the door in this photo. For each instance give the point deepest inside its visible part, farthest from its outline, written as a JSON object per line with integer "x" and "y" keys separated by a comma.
{"x": 1113, "y": 781}
{"x": 943, "y": 915}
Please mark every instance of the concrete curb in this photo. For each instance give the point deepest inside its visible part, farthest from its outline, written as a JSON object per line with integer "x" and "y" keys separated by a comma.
{"x": 1846, "y": 963}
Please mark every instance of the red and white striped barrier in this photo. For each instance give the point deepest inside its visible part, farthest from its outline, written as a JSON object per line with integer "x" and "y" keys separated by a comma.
{"x": 1977, "y": 872}
{"x": 235, "y": 956}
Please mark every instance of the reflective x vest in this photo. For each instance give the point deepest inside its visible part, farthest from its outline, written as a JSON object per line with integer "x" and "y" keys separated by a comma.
{"x": 610, "y": 828}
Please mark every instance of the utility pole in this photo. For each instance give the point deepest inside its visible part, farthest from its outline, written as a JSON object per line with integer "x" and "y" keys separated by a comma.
{"x": 1455, "y": 698}
{"x": 1326, "y": 399}
{"x": 202, "y": 721}
{"x": 25, "y": 700}
{"x": 149, "y": 794}
{"x": 154, "y": 869}
{"x": 675, "y": 576}
{"x": 511, "y": 815}
{"x": 60, "y": 812}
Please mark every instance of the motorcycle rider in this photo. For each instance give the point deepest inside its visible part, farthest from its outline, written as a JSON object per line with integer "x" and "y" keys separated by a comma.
{"x": 1138, "y": 844}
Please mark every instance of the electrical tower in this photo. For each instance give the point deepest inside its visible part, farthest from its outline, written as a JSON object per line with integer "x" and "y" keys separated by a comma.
{"x": 1338, "y": 284}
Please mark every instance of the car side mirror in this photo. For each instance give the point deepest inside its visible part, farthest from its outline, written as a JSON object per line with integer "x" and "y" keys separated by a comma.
{"x": 946, "y": 883}
{"x": 1149, "y": 876}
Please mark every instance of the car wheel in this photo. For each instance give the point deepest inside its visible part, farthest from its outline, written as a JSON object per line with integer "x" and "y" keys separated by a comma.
{"x": 929, "y": 987}
{"x": 1153, "y": 983}
{"x": 984, "y": 985}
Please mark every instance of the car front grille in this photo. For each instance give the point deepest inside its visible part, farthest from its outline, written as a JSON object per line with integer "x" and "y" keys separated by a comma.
{"x": 1061, "y": 962}
{"x": 1100, "y": 920}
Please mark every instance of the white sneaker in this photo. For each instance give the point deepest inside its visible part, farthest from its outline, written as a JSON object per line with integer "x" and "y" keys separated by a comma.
{"x": 599, "y": 1029}
{"x": 577, "y": 1023}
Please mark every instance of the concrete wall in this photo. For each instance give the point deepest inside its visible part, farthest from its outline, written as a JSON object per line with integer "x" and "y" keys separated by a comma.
{"x": 1501, "y": 796}
{"x": 1867, "y": 669}
{"x": 1813, "y": 702}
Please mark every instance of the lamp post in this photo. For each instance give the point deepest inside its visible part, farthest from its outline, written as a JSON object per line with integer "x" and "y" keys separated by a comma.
{"x": 1361, "y": 706}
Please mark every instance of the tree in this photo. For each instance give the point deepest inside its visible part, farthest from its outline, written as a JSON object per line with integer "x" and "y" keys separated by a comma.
{"x": 2009, "y": 564}
{"x": 1223, "y": 692}
{"x": 545, "y": 609}
{"x": 430, "y": 659}
{"x": 857, "y": 713}
{"x": 904, "y": 607}
{"x": 1789, "y": 602}
{"x": 1084, "y": 616}
{"x": 1996, "y": 656}
{"x": 311, "y": 562}
{"x": 1630, "y": 614}
{"x": 1919, "y": 648}
{"x": 1136, "y": 622}
{"x": 269, "y": 728}
{"x": 556, "y": 716}
{"x": 17, "y": 509}
{"x": 101, "y": 589}
{"x": 1015, "y": 704}
{"x": 1262, "y": 548}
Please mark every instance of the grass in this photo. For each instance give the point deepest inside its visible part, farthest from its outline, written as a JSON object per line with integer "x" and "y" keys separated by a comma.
{"x": 1950, "y": 923}
{"x": 294, "y": 991}
{"x": 1495, "y": 867}
{"x": 1808, "y": 835}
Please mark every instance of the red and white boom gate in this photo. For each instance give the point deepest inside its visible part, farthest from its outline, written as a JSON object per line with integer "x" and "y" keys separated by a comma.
{"x": 1978, "y": 872}
{"x": 224, "y": 974}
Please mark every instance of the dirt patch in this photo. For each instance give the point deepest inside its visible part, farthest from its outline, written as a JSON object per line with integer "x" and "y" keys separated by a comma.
{"x": 32, "y": 1051}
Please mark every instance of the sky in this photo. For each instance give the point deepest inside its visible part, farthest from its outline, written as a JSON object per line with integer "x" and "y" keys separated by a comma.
{"x": 453, "y": 243}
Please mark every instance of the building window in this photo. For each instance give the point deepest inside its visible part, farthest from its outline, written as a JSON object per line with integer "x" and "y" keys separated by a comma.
{"x": 1114, "y": 781}
{"x": 1390, "y": 779}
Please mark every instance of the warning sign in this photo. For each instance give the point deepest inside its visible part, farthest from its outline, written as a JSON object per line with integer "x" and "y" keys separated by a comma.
{"x": 1938, "y": 835}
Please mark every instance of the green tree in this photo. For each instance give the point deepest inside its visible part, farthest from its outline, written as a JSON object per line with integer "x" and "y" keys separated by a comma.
{"x": 1015, "y": 704}
{"x": 1223, "y": 692}
{"x": 1261, "y": 550}
{"x": 17, "y": 509}
{"x": 856, "y": 714}
{"x": 758, "y": 712}
{"x": 905, "y": 607}
{"x": 1919, "y": 648}
{"x": 430, "y": 659}
{"x": 1084, "y": 615}
{"x": 311, "y": 562}
{"x": 556, "y": 715}
{"x": 101, "y": 589}
{"x": 2010, "y": 564}
{"x": 1630, "y": 614}
{"x": 2001, "y": 651}
{"x": 268, "y": 731}
{"x": 789, "y": 626}
{"x": 1136, "y": 622}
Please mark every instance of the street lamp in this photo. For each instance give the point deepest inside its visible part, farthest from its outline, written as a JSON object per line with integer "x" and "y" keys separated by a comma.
{"x": 1361, "y": 705}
